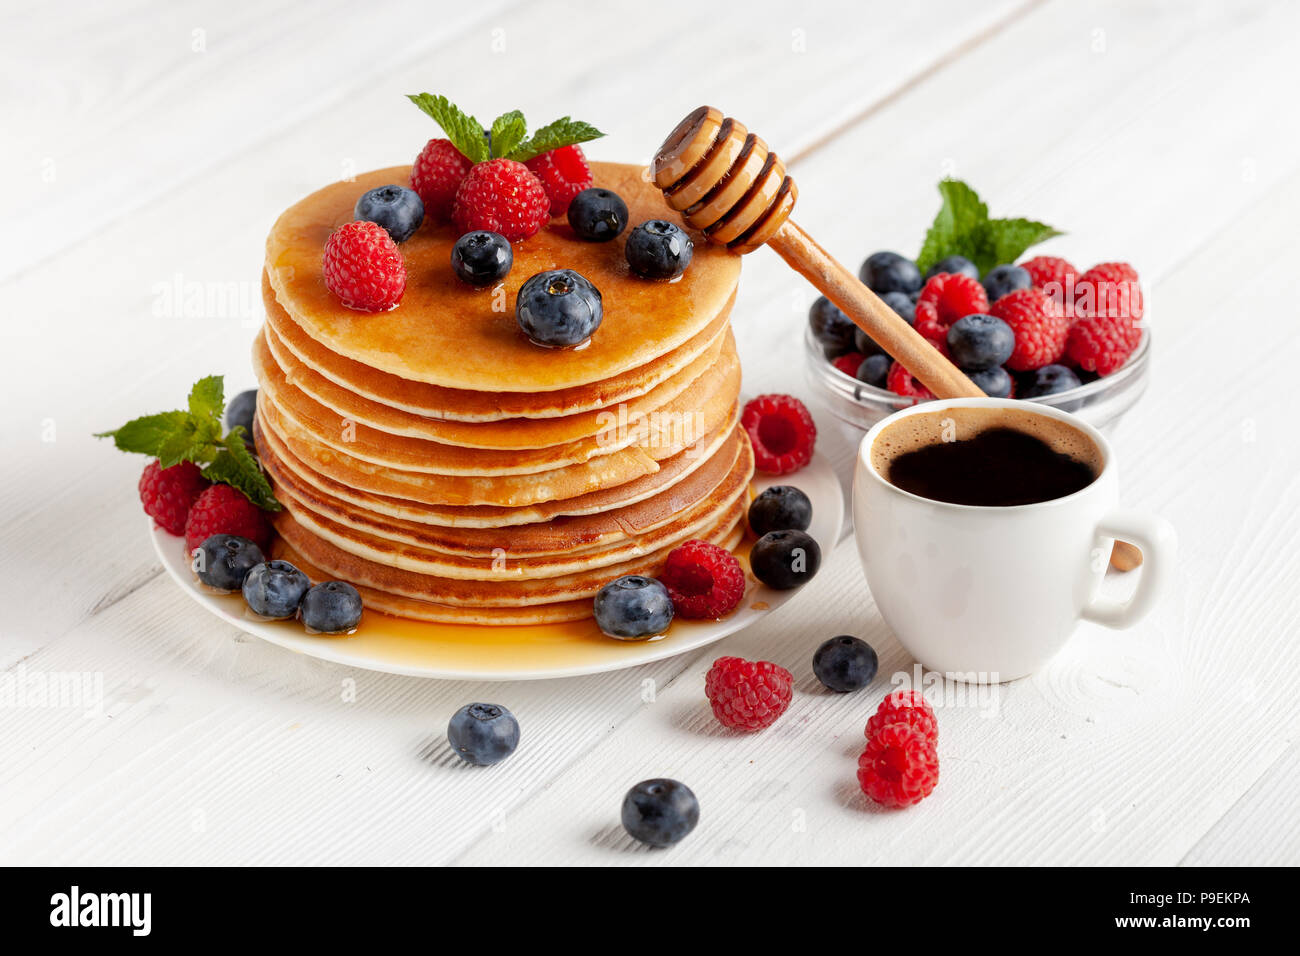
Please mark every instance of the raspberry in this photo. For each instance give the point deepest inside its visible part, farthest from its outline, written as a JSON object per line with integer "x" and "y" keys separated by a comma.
{"x": 222, "y": 509}
{"x": 168, "y": 493}
{"x": 906, "y": 707}
{"x": 928, "y": 324}
{"x": 1110, "y": 289}
{"x": 1051, "y": 275}
{"x": 848, "y": 364}
{"x": 436, "y": 175}
{"x": 1108, "y": 303}
{"x": 952, "y": 296}
{"x": 901, "y": 382}
{"x": 899, "y": 767}
{"x": 1040, "y": 327}
{"x": 703, "y": 580}
{"x": 781, "y": 431}
{"x": 363, "y": 267}
{"x": 563, "y": 173}
{"x": 748, "y": 695}
{"x": 502, "y": 196}
{"x": 1102, "y": 344}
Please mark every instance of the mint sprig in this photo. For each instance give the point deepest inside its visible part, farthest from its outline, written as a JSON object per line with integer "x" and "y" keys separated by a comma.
{"x": 962, "y": 227}
{"x": 563, "y": 132}
{"x": 195, "y": 435}
{"x": 508, "y": 136}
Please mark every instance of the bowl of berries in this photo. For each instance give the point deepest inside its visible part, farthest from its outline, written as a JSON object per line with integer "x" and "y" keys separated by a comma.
{"x": 1035, "y": 328}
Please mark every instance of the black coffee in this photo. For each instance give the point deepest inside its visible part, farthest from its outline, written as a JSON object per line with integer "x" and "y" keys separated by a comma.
{"x": 997, "y": 467}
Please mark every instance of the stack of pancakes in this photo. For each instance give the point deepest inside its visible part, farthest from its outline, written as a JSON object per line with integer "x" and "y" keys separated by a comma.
{"x": 456, "y": 472}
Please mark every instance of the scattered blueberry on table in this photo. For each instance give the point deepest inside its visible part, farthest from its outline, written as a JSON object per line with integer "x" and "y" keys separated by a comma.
{"x": 845, "y": 663}
{"x": 483, "y": 734}
{"x": 660, "y": 812}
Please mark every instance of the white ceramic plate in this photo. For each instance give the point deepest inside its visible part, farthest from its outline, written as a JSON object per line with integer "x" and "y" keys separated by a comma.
{"x": 463, "y": 652}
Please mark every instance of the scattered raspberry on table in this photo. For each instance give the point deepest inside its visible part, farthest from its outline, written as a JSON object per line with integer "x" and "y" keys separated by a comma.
{"x": 748, "y": 695}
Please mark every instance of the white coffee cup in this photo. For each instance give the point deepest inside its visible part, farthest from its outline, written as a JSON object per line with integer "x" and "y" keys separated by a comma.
{"x": 991, "y": 594}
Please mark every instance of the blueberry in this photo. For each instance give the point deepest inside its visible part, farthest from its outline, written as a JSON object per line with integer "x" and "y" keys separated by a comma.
{"x": 633, "y": 607}
{"x": 333, "y": 607}
{"x": 955, "y": 265}
{"x": 222, "y": 561}
{"x": 874, "y": 370}
{"x": 1001, "y": 280}
{"x": 993, "y": 382}
{"x": 979, "y": 341}
{"x": 889, "y": 272}
{"x": 660, "y": 812}
{"x": 483, "y": 734}
{"x": 559, "y": 308}
{"x": 240, "y": 409}
{"x": 274, "y": 589}
{"x": 902, "y": 303}
{"x": 482, "y": 258}
{"x": 1050, "y": 380}
{"x": 833, "y": 329}
{"x": 780, "y": 508}
{"x": 785, "y": 559}
{"x": 658, "y": 249}
{"x": 598, "y": 215}
{"x": 845, "y": 664}
{"x": 396, "y": 208}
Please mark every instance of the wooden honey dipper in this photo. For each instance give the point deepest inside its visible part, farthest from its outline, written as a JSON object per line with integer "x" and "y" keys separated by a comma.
{"x": 726, "y": 183}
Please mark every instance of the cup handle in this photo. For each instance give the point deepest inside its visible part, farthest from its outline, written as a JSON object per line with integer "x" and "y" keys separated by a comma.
{"x": 1159, "y": 544}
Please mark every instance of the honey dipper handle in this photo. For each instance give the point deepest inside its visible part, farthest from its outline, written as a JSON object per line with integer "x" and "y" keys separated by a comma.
{"x": 885, "y": 326}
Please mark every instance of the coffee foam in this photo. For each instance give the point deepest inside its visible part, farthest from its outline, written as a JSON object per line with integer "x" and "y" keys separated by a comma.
{"x": 961, "y": 423}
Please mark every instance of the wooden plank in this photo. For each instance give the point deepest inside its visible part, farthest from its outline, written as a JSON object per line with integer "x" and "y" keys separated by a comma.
{"x": 109, "y": 109}
{"x": 1259, "y": 830}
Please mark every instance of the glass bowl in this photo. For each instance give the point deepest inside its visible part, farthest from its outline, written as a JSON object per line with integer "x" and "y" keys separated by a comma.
{"x": 1100, "y": 402}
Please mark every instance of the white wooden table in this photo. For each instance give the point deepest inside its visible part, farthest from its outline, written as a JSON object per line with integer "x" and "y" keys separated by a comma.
{"x": 147, "y": 149}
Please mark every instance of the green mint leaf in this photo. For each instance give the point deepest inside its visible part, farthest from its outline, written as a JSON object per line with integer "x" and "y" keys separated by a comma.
{"x": 148, "y": 434}
{"x": 464, "y": 131}
{"x": 955, "y": 230}
{"x": 235, "y": 465}
{"x": 563, "y": 132}
{"x": 195, "y": 440}
{"x": 508, "y": 131}
{"x": 208, "y": 397}
{"x": 1005, "y": 240}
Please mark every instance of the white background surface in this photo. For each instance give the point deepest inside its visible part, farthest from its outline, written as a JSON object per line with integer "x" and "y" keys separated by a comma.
{"x": 150, "y": 144}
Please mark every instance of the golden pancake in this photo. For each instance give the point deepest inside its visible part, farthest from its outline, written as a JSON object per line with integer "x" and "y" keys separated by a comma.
{"x": 511, "y": 491}
{"x": 504, "y": 562}
{"x": 694, "y": 412}
{"x": 509, "y": 433}
{"x": 336, "y": 562}
{"x": 572, "y": 533}
{"x": 273, "y": 452}
{"x": 447, "y": 333}
{"x": 399, "y": 606}
{"x": 459, "y": 405}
